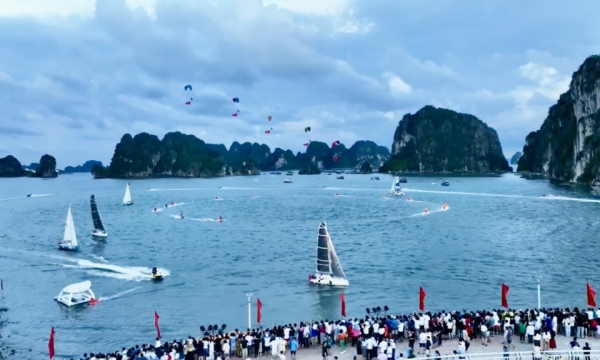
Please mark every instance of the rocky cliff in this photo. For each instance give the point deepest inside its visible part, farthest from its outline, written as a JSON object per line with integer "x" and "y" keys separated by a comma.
{"x": 180, "y": 155}
{"x": 436, "y": 140}
{"x": 567, "y": 146}
{"x": 514, "y": 160}
{"x": 47, "y": 168}
{"x": 11, "y": 167}
{"x": 85, "y": 168}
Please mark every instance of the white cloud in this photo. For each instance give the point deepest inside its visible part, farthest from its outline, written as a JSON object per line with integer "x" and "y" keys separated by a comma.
{"x": 396, "y": 84}
{"x": 549, "y": 82}
{"x": 312, "y": 7}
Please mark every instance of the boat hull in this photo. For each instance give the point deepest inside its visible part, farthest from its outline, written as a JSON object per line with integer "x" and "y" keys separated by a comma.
{"x": 157, "y": 277}
{"x": 128, "y": 203}
{"x": 68, "y": 247}
{"x": 329, "y": 281}
{"x": 99, "y": 234}
{"x": 397, "y": 193}
{"x": 72, "y": 303}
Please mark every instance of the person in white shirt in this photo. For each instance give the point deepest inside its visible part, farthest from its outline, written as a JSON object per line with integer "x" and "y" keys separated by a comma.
{"x": 382, "y": 356}
{"x": 226, "y": 349}
{"x": 281, "y": 356}
{"x": 286, "y": 333}
{"x": 370, "y": 346}
{"x": 546, "y": 340}
{"x": 157, "y": 345}
{"x": 484, "y": 334}
{"x": 422, "y": 341}
{"x": 382, "y": 346}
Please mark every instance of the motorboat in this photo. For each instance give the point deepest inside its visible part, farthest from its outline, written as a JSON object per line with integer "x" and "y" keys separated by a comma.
{"x": 289, "y": 173}
{"x": 403, "y": 180}
{"x": 28, "y": 195}
{"x": 329, "y": 269}
{"x": 288, "y": 181}
{"x": 76, "y": 294}
{"x": 445, "y": 183}
{"x": 340, "y": 178}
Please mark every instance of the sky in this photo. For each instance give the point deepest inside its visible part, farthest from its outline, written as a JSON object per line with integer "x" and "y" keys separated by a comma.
{"x": 75, "y": 75}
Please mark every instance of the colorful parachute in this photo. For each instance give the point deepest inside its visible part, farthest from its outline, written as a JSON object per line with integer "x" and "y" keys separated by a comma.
{"x": 270, "y": 117}
{"x": 305, "y": 144}
{"x": 234, "y": 114}
{"x": 188, "y": 87}
{"x": 333, "y": 144}
{"x": 236, "y": 100}
{"x": 307, "y": 129}
{"x": 335, "y": 158}
{"x": 267, "y": 131}
{"x": 188, "y": 102}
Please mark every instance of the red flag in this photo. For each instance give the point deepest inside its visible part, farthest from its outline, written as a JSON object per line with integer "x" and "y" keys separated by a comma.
{"x": 504, "y": 295}
{"x": 343, "y": 298}
{"x": 591, "y": 295}
{"x": 258, "y": 310}
{"x": 422, "y": 299}
{"x": 51, "y": 344}
{"x": 156, "y": 317}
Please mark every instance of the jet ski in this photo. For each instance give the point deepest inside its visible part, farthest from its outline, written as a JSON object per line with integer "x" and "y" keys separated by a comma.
{"x": 156, "y": 276}
{"x": 445, "y": 183}
{"x": 29, "y": 195}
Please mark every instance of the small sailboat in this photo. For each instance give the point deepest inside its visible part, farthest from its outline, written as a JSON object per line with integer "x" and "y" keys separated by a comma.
{"x": 329, "y": 270}
{"x": 99, "y": 230}
{"x": 69, "y": 241}
{"x": 127, "y": 198}
{"x": 396, "y": 190}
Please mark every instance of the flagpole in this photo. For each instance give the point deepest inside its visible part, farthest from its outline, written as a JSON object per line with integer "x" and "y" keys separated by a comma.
{"x": 249, "y": 311}
{"x": 538, "y": 292}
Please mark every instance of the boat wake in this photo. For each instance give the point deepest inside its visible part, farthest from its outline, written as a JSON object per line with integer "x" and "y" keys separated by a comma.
{"x": 237, "y": 188}
{"x": 13, "y": 198}
{"x": 176, "y": 217}
{"x": 182, "y": 189}
{"x": 161, "y": 208}
{"x": 116, "y": 296}
{"x": 40, "y": 195}
{"x": 99, "y": 258}
{"x": 114, "y": 271}
{"x": 547, "y": 197}
{"x": 203, "y": 219}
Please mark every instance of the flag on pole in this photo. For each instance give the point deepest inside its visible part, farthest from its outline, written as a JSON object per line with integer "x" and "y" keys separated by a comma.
{"x": 156, "y": 317}
{"x": 505, "y": 295}
{"x": 591, "y": 296}
{"x": 422, "y": 299}
{"x": 343, "y": 299}
{"x": 258, "y": 310}
{"x": 51, "y": 344}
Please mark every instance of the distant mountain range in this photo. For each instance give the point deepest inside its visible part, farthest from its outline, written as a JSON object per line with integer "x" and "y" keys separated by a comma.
{"x": 85, "y": 168}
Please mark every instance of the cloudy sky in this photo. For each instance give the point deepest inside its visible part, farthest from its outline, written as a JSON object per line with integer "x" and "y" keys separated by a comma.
{"x": 75, "y": 75}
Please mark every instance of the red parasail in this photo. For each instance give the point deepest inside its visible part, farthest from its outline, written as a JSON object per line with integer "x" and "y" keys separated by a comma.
{"x": 234, "y": 115}
{"x": 336, "y": 158}
{"x": 305, "y": 144}
{"x": 333, "y": 144}
{"x": 267, "y": 131}
{"x": 188, "y": 102}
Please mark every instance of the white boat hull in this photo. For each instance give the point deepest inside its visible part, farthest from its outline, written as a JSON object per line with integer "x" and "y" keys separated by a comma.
{"x": 99, "y": 233}
{"x": 67, "y": 247}
{"x": 397, "y": 193}
{"x": 328, "y": 281}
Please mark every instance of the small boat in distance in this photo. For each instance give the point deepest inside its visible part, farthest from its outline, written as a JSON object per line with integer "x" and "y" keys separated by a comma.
{"x": 289, "y": 173}
{"x": 403, "y": 180}
{"x": 155, "y": 275}
{"x": 396, "y": 190}
{"x": 99, "y": 230}
{"x": 329, "y": 270}
{"x": 69, "y": 241}
{"x": 288, "y": 181}
{"x": 340, "y": 178}
{"x": 127, "y": 197}
{"x": 28, "y": 195}
{"x": 445, "y": 183}
{"x": 77, "y": 294}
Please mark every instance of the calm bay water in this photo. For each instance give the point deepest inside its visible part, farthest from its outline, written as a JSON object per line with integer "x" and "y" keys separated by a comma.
{"x": 496, "y": 230}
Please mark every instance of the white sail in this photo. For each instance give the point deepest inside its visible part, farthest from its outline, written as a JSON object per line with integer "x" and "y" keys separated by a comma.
{"x": 336, "y": 266}
{"x": 127, "y": 198}
{"x": 393, "y": 183}
{"x": 70, "y": 237}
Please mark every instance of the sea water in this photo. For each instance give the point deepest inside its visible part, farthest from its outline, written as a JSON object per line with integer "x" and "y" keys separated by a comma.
{"x": 496, "y": 230}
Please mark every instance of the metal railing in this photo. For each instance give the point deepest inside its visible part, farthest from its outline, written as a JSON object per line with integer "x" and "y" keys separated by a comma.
{"x": 524, "y": 355}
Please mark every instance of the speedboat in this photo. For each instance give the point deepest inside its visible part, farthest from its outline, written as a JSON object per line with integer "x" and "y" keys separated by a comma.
{"x": 445, "y": 183}
{"x": 340, "y": 178}
{"x": 288, "y": 181}
{"x": 289, "y": 173}
{"x": 403, "y": 180}
{"x": 28, "y": 195}
{"x": 77, "y": 294}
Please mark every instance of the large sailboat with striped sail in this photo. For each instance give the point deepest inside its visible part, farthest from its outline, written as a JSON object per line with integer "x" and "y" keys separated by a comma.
{"x": 329, "y": 269}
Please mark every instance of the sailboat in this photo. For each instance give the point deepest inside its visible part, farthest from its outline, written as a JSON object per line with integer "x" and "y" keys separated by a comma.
{"x": 69, "y": 241}
{"x": 329, "y": 270}
{"x": 99, "y": 230}
{"x": 396, "y": 190}
{"x": 127, "y": 198}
